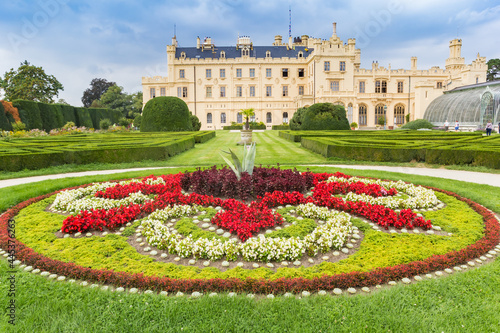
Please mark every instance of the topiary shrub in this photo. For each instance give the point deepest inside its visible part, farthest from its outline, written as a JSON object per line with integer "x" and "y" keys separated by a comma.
{"x": 4, "y": 121}
{"x": 166, "y": 113}
{"x": 29, "y": 113}
{"x": 195, "y": 122}
{"x": 325, "y": 116}
{"x": 417, "y": 124}
{"x": 137, "y": 121}
{"x": 104, "y": 124}
{"x": 296, "y": 121}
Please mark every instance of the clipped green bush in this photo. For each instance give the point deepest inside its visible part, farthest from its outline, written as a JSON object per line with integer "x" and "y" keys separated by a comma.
{"x": 48, "y": 115}
{"x": 296, "y": 121}
{"x": 137, "y": 121}
{"x": 4, "y": 121}
{"x": 166, "y": 113}
{"x": 123, "y": 122}
{"x": 68, "y": 113}
{"x": 280, "y": 127}
{"x": 29, "y": 113}
{"x": 83, "y": 118}
{"x": 105, "y": 124}
{"x": 195, "y": 122}
{"x": 417, "y": 124}
{"x": 325, "y": 116}
{"x": 18, "y": 126}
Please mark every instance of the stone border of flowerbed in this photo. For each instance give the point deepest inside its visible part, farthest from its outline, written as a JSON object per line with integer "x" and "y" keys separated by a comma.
{"x": 486, "y": 247}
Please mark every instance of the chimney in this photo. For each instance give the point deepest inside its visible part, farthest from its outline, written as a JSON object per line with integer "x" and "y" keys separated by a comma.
{"x": 335, "y": 29}
{"x": 277, "y": 40}
{"x": 413, "y": 63}
{"x": 198, "y": 42}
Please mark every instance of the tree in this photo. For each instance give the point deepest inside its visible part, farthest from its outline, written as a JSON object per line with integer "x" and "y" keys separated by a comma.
{"x": 247, "y": 113}
{"x": 97, "y": 88}
{"x": 296, "y": 121}
{"x": 493, "y": 70}
{"x": 116, "y": 99}
{"x": 166, "y": 113}
{"x": 325, "y": 116}
{"x": 30, "y": 83}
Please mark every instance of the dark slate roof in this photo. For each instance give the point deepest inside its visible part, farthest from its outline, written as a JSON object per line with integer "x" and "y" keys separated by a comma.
{"x": 232, "y": 52}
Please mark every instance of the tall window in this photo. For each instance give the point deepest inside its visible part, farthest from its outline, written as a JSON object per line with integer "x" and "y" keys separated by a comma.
{"x": 301, "y": 90}
{"x": 268, "y": 72}
{"x": 238, "y": 72}
{"x": 302, "y": 72}
{"x": 239, "y": 118}
{"x": 152, "y": 92}
{"x": 268, "y": 54}
{"x": 379, "y": 112}
{"x": 162, "y": 92}
{"x": 284, "y": 72}
{"x": 252, "y": 72}
{"x": 208, "y": 73}
{"x": 342, "y": 66}
{"x": 268, "y": 91}
{"x": 349, "y": 112}
{"x": 362, "y": 87}
{"x": 269, "y": 118}
{"x": 400, "y": 87}
{"x": 184, "y": 92}
{"x": 222, "y": 91}
{"x": 209, "y": 118}
{"x": 252, "y": 91}
{"x": 239, "y": 91}
{"x": 222, "y": 73}
{"x": 334, "y": 85}
{"x": 179, "y": 92}
{"x": 181, "y": 74}
{"x": 223, "y": 118}
{"x": 439, "y": 85}
{"x": 399, "y": 114}
{"x": 380, "y": 86}
{"x": 285, "y": 91}
{"x": 362, "y": 115}
{"x": 285, "y": 117}
{"x": 209, "y": 91}
{"x": 326, "y": 66}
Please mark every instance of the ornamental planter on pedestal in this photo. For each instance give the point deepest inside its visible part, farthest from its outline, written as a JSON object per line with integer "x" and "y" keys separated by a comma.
{"x": 246, "y": 137}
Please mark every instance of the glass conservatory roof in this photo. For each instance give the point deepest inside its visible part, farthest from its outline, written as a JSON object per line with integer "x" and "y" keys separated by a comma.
{"x": 470, "y": 105}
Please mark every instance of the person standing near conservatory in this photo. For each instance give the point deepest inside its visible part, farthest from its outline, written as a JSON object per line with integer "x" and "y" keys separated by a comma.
{"x": 489, "y": 127}
{"x": 457, "y": 125}
{"x": 446, "y": 125}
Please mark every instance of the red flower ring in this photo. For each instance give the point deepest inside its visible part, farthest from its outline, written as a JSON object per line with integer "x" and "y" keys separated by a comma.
{"x": 261, "y": 207}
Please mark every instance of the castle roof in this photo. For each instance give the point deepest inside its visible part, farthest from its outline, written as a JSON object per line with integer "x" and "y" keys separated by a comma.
{"x": 232, "y": 52}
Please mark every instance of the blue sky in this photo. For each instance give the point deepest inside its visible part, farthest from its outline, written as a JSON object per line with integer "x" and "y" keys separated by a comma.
{"x": 123, "y": 40}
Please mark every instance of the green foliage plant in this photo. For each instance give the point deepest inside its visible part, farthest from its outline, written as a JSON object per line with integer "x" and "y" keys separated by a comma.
{"x": 296, "y": 121}
{"x": 104, "y": 124}
{"x": 18, "y": 126}
{"x": 195, "y": 122}
{"x": 418, "y": 124}
{"x": 325, "y": 116}
{"x": 166, "y": 113}
{"x": 248, "y": 160}
{"x": 247, "y": 113}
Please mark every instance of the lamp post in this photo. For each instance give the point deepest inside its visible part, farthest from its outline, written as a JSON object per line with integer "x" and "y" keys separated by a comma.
{"x": 385, "y": 115}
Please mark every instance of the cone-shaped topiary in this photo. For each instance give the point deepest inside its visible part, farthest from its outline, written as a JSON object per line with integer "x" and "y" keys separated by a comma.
{"x": 166, "y": 113}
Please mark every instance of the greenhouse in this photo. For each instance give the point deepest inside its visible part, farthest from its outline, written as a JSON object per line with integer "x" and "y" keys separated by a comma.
{"x": 472, "y": 106}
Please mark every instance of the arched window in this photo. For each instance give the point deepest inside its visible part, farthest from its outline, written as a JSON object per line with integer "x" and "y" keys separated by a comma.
{"x": 269, "y": 117}
{"x": 222, "y": 54}
{"x": 209, "y": 118}
{"x": 239, "y": 118}
{"x": 301, "y": 54}
{"x": 380, "y": 112}
{"x": 399, "y": 114}
{"x": 362, "y": 115}
{"x": 268, "y": 54}
{"x": 183, "y": 55}
{"x": 223, "y": 118}
{"x": 285, "y": 117}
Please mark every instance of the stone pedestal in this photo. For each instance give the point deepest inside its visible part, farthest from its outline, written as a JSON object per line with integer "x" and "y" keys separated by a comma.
{"x": 246, "y": 137}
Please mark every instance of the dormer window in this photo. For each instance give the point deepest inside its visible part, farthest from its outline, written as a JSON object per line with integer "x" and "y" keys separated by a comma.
{"x": 245, "y": 52}
{"x": 222, "y": 54}
{"x": 183, "y": 55}
{"x": 301, "y": 54}
{"x": 268, "y": 54}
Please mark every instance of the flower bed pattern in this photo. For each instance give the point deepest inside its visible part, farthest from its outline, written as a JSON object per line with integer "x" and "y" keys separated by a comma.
{"x": 319, "y": 198}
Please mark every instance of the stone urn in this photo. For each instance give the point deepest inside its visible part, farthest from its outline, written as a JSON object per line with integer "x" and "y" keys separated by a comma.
{"x": 246, "y": 137}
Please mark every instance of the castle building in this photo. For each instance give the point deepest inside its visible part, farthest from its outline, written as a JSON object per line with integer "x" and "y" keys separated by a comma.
{"x": 217, "y": 82}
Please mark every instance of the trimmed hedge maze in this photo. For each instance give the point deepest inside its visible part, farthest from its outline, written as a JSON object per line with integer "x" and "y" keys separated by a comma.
{"x": 448, "y": 148}
{"x": 40, "y": 152}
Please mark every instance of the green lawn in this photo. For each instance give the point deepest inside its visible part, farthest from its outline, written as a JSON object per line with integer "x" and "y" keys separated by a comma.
{"x": 463, "y": 302}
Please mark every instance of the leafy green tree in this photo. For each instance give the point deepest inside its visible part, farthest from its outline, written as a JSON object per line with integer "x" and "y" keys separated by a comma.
{"x": 30, "y": 83}
{"x": 97, "y": 88}
{"x": 325, "y": 116}
{"x": 296, "y": 121}
{"x": 247, "y": 113}
{"x": 116, "y": 99}
{"x": 493, "y": 70}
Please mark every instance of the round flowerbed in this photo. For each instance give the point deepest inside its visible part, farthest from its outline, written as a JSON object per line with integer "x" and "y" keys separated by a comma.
{"x": 275, "y": 231}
